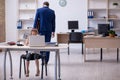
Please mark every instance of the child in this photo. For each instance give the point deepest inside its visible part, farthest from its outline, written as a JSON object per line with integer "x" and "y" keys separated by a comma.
{"x": 29, "y": 55}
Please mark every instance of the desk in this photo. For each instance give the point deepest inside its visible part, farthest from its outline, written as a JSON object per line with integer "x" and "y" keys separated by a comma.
{"x": 8, "y": 48}
{"x": 101, "y": 42}
{"x": 72, "y": 37}
{"x": 64, "y": 37}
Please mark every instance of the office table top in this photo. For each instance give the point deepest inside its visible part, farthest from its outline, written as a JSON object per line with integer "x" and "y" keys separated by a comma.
{"x": 100, "y": 37}
{"x": 4, "y": 45}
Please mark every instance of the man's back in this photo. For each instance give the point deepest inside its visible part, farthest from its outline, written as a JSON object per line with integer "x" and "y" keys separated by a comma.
{"x": 47, "y": 19}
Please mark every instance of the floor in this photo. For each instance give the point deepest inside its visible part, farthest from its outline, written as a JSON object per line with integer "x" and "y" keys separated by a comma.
{"x": 72, "y": 66}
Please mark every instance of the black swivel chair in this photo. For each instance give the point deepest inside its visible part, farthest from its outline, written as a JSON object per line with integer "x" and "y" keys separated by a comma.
{"x": 75, "y": 37}
{"x": 23, "y": 56}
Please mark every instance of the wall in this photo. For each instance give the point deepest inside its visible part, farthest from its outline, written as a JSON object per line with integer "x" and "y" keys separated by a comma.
{"x": 2, "y": 20}
{"x": 11, "y": 19}
{"x": 74, "y": 10}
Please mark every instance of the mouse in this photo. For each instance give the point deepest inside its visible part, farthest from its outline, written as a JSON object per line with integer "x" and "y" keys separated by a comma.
{"x": 20, "y": 45}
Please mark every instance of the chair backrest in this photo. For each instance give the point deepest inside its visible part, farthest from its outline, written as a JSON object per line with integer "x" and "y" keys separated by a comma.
{"x": 75, "y": 37}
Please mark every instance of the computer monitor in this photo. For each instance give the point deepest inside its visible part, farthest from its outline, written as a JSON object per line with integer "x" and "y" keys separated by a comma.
{"x": 103, "y": 29}
{"x": 72, "y": 25}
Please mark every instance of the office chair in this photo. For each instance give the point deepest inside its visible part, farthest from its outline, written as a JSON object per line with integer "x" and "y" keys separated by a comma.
{"x": 75, "y": 37}
{"x": 23, "y": 56}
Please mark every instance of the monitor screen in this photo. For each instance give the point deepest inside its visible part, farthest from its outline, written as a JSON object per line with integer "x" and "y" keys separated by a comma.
{"x": 73, "y": 25}
{"x": 103, "y": 29}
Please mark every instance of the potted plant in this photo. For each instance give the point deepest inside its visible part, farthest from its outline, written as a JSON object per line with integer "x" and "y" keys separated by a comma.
{"x": 115, "y": 4}
{"x": 111, "y": 33}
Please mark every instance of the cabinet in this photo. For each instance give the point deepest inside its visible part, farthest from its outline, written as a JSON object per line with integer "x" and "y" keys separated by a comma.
{"x": 26, "y": 13}
{"x": 103, "y": 11}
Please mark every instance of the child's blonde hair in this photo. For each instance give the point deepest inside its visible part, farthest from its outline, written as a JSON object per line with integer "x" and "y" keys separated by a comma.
{"x": 34, "y": 30}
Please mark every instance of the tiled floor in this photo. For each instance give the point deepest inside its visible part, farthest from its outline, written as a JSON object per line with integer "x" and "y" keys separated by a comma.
{"x": 72, "y": 66}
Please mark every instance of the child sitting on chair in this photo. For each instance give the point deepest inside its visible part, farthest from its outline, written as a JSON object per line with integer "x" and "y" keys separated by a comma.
{"x": 35, "y": 56}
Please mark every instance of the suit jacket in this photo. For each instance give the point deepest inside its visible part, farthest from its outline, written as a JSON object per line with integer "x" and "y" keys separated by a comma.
{"x": 46, "y": 18}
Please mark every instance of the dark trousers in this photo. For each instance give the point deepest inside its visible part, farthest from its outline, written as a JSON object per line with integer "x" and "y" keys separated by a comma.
{"x": 47, "y": 39}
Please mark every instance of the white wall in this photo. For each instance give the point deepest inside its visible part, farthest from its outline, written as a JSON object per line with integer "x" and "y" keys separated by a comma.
{"x": 11, "y": 18}
{"x": 74, "y": 10}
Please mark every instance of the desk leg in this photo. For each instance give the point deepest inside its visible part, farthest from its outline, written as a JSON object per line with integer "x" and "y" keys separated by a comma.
{"x": 5, "y": 64}
{"x": 84, "y": 54}
{"x": 68, "y": 49}
{"x": 82, "y": 49}
{"x": 117, "y": 54}
{"x": 59, "y": 67}
{"x": 101, "y": 55}
{"x": 11, "y": 74}
{"x": 56, "y": 65}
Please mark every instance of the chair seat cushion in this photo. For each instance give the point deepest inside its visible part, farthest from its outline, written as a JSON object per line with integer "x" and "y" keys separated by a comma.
{"x": 31, "y": 56}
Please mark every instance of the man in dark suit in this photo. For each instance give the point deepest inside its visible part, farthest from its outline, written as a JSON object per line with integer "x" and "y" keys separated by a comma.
{"x": 46, "y": 19}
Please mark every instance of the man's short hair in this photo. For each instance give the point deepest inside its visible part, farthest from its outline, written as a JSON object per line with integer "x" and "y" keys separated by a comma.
{"x": 46, "y": 3}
